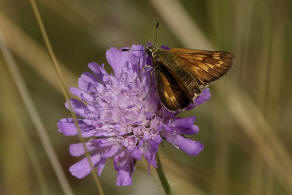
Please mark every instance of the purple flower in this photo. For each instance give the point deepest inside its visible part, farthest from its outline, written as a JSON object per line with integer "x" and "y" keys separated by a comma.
{"x": 120, "y": 120}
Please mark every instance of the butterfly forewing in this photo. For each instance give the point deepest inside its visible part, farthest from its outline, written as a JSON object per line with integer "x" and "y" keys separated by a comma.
{"x": 207, "y": 66}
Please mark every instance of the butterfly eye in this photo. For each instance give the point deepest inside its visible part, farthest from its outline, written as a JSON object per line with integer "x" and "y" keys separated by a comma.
{"x": 149, "y": 51}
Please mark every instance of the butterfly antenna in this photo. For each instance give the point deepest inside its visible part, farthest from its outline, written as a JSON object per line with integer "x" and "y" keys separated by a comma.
{"x": 156, "y": 33}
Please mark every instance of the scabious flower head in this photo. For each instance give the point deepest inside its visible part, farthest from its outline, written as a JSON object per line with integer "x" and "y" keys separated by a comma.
{"x": 121, "y": 116}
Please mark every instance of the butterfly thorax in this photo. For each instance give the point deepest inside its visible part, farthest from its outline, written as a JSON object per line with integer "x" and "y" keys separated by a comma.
{"x": 157, "y": 54}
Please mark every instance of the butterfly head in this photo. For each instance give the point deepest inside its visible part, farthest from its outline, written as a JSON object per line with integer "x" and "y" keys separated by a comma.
{"x": 151, "y": 51}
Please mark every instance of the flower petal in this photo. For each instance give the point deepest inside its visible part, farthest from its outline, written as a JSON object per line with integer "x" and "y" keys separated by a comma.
{"x": 189, "y": 146}
{"x": 186, "y": 125}
{"x": 81, "y": 94}
{"x": 78, "y": 149}
{"x": 101, "y": 165}
{"x": 82, "y": 168}
{"x": 184, "y": 122}
{"x": 68, "y": 128}
{"x": 97, "y": 70}
{"x": 157, "y": 139}
{"x": 190, "y": 131}
{"x": 111, "y": 151}
{"x": 137, "y": 57}
{"x": 137, "y": 154}
{"x": 86, "y": 81}
{"x": 105, "y": 142}
{"x": 117, "y": 59}
{"x": 124, "y": 177}
{"x": 205, "y": 96}
{"x": 150, "y": 154}
{"x": 78, "y": 107}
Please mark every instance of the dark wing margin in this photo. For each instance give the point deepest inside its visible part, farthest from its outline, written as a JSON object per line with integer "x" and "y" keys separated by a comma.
{"x": 171, "y": 95}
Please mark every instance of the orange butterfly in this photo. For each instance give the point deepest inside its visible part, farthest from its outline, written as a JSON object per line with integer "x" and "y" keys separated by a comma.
{"x": 181, "y": 73}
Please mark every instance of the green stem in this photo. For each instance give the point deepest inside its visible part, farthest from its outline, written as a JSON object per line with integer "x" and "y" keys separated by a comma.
{"x": 162, "y": 178}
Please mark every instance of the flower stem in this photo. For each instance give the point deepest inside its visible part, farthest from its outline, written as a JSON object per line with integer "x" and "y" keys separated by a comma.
{"x": 162, "y": 178}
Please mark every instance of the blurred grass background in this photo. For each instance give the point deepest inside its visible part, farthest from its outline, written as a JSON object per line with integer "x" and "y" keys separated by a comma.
{"x": 245, "y": 127}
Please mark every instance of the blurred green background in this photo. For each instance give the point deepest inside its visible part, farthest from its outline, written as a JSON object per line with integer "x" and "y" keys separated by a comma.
{"x": 245, "y": 127}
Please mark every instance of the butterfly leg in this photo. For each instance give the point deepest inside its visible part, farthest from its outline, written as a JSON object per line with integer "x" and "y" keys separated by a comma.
{"x": 143, "y": 70}
{"x": 146, "y": 66}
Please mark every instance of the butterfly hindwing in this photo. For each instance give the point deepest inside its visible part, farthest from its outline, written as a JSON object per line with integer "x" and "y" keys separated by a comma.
{"x": 171, "y": 95}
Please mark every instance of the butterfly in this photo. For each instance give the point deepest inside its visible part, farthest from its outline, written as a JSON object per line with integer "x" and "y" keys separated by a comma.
{"x": 181, "y": 73}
